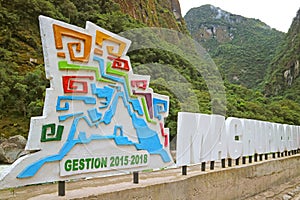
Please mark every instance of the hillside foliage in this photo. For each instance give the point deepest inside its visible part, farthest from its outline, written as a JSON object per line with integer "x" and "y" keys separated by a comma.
{"x": 241, "y": 47}
{"x": 283, "y": 72}
{"x": 23, "y": 81}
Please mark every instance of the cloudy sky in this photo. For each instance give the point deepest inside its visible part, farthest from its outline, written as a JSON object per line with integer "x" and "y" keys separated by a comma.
{"x": 278, "y": 14}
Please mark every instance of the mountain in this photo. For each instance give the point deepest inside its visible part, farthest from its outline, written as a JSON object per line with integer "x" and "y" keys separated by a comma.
{"x": 20, "y": 28}
{"x": 155, "y": 13}
{"x": 283, "y": 77}
{"x": 241, "y": 47}
{"x": 22, "y": 77}
{"x": 237, "y": 44}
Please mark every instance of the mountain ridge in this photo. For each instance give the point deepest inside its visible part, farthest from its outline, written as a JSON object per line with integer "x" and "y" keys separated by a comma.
{"x": 22, "y": 76}
{"x": 283, "y": 75}
{"x": 155, "y": 13}
{"x": 233, "y": 41}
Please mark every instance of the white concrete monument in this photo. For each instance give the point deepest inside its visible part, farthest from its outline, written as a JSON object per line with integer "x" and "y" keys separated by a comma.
{"x": 99, "y": 117}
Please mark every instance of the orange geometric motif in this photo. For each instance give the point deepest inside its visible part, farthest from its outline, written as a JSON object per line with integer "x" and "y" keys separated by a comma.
{"x": 98, "y": 52}
{"x": 100, "y": 37}
{"x": 60, "y": 31}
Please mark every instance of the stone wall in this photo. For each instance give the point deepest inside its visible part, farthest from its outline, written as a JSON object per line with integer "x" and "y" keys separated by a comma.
{"x": 237, "y": 182}
{"x": 232, "y": 183}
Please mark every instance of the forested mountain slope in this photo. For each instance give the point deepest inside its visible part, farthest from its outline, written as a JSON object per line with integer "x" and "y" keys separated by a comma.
{"x": 283, "y": 77}
{"x": 22, "y": 75}
{"x": 23, "y": 80}
{"x": 155, "y": 13}
{"x": 241, "y": 47}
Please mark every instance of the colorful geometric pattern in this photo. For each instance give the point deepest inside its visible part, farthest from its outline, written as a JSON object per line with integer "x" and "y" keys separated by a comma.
{"x": 94, "y": 98}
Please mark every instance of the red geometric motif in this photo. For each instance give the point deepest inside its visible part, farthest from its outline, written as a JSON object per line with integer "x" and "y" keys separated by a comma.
{"x": 119, "y": 63}
{"x": 166, "y": 143}
{"x": 69, "y": 87}
{"x": 139, "y": 84}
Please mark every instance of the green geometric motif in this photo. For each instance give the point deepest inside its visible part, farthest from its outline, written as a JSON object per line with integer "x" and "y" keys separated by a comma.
{"x": 51, "y": 136}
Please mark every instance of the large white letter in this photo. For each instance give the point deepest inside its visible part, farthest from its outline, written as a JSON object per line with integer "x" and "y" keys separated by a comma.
{"x": 234, "y": 129}
{"x": 260, "y": 139}
{"x": 294, "y": 137}
{"x": 273, "y": 139}
{"x": 268, "y": 136}
{"x": 188, "y": 139}
{"x": 281, "y": 137}
{"x": 298, "y": 137}
{"x": 248, "y": 137}
{"x": 214, "y": 140}
{"x": 288, "y": 137}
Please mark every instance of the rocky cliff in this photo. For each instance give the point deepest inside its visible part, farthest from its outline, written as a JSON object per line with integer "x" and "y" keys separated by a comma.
{"x": 284, "y": 69}
{"x": 155, "y": 13}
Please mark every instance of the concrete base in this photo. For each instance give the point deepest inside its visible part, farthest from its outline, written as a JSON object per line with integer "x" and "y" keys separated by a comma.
{"x": 237, "y": 182}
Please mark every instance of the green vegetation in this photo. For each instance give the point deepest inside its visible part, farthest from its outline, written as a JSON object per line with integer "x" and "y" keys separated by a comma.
{"x": 23, "y": 80}
{"x": 154, "y": 13}
{"x": 22, "y": 77}
{"x": 241, "y": 47}
{"x": 283, "y": 71}
{"x": 245, "y": 103}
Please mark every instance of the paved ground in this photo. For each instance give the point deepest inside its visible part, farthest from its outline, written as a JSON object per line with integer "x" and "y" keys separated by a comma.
{"x": 86, "y": 187}
{"x": 286, "y": 191}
